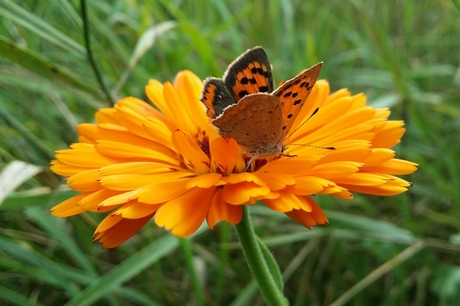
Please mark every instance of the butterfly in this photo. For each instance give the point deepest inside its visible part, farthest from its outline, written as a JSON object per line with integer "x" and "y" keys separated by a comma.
{"x": 244, "y": 105}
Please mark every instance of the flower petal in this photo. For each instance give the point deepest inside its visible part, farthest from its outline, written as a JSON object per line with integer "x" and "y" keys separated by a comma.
{"x": 243, "y": 193}
{"x": 69, "y": 207}
{"x": 160, "y": 192}
{"x": 393, "y": 166}
{"x": 226, "y": 155}
{"x": 222, "y": 211}
{"x": 114, "y": 230}
{"x": 308, "y": 219}
{"x": 195, "y": 159}
{"x": 184, "y": 214}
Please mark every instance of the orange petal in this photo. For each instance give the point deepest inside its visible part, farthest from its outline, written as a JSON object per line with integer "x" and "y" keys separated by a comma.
{"x": 308, "y": 219}
{"x": 308, "y": 185}
{"x": 378, "y": 156}
{"x": 184, "y": 214}
{"x": 276, "y": 181}
{"x": 195, "y": 159}
{"x": 129, "y": 153}
{"x": 139, "y": 210}
{"x": 188, "y": 87}
{"x": 135, "y": 181}
{"x": 116, "y": 200}
{"x": 85, "y": 181}
{"x": 93, "y": 201}
{"x": 204, "y": 181}
{"x": 335, "y": 170}
{"x": 160, "y": 192}
{"x": 114, "y": 230}
{"x": 287, "y": 202}
{"x": 69, "y": 207}
{"x": 289, "y": 165}
{"x": 227, "y": 155}
{"x": 140, "y": 167}
{"x": 243, "y": 193}
{"x": 390, "y": 136}
{"x": 362, "y": 179}
{"x": 222, "y": 211}
{"x": 393, "y": 166}
{"x": 84, "y": 155}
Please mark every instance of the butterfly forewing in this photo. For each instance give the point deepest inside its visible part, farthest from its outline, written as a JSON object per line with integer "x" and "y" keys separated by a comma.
{"x": 250, "y": 73}
{"x": 294, "y": 92}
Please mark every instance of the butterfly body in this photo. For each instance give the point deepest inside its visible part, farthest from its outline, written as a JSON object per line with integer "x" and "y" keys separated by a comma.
{"x": 244, "y": 106}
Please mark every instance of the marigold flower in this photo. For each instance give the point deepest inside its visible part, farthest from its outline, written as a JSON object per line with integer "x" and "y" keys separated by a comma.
{"x": 168, "y": 163}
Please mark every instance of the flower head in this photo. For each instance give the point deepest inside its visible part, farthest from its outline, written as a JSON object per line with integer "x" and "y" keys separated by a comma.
{"x": 168, "y": 163}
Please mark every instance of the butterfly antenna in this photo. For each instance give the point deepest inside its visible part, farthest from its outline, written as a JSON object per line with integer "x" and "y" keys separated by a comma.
{"x": 300, "y": 125}
{"x": 306, "y": 145}
{"x": 311, "y": 146}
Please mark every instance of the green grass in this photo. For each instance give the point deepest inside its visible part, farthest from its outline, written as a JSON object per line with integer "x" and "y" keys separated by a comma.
{"x": 388, "y": 251}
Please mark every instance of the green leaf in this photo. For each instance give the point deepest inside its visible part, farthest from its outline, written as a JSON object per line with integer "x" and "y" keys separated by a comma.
{"x": 19, "y": 15}
{"x": 41, "y": 66}
{"x": 138, "y": 262}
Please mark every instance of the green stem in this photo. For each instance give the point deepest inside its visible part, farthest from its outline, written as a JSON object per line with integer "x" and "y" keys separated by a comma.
{"x": 255, "y": 259}
{"x": 84, "y": 17}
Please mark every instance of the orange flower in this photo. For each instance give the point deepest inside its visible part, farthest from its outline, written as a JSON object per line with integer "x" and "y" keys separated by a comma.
{"x": 170, "y": 164}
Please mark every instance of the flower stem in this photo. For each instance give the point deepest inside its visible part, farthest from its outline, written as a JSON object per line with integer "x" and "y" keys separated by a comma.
{"x": 272, "y": 294}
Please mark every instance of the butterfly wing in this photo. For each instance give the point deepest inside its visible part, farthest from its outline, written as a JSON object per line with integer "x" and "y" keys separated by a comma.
{"x": 216, "y": 97}
{"x": 294, "y": 92}
{"x": 250, "y": 73}
{"x": 255, "y": 123}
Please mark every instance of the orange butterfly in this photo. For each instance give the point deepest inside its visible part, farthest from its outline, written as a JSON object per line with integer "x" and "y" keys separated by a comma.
{"x": 244, "y": 106}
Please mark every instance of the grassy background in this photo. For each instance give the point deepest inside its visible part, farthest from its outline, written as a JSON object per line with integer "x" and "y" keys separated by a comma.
{"x": 402, "y": 250}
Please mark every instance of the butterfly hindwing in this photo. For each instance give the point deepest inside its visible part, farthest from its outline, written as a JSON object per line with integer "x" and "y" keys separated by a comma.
{"x": 250, "y": 73}
{"x": 294, "y": 92}
{"x": 216, "y": 97}
{"x": 255, "y": 123}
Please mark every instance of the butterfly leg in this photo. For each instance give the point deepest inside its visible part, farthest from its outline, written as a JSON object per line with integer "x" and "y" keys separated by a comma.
{"x": 253, "y": 157}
